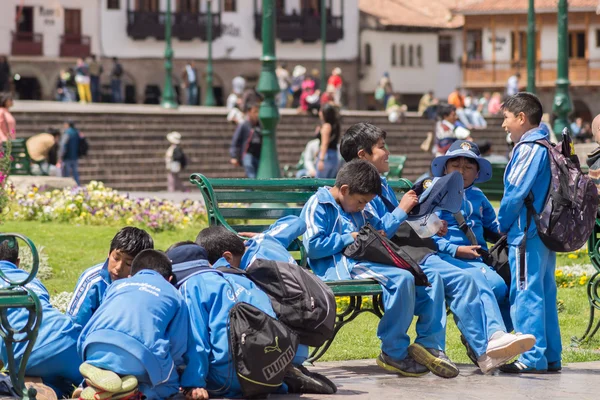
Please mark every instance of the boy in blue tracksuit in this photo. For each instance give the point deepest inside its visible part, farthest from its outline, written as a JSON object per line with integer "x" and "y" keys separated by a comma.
{"x": 533, "y": 285}
{"x": 333, "y": 217}
{"x": 366, "y": 141}
{"x": 148, "y": 337}
{"x": 209, "y": 296}
{"x": 54, "y": 357}
{"x": 478, "y": 214}
{"x": 94, "y": 281}
{"x": 271, "y": 244}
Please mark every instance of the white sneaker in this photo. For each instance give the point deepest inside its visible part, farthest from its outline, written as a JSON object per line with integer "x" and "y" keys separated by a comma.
{"x": 487, "y": 364}
{"x": 504, "y": 345}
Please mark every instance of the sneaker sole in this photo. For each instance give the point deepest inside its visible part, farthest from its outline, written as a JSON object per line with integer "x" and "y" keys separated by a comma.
{"x": 437, "y": 366}
{"x": 514, "y": 348}
{"x": 500, "y": 362}
{"x": 128, "y": 384}
{"x": 90, "y": 393}
{"x": 389, "y": 368}
{"x": 124, "y": 395}
{"x": 105, "y": 380}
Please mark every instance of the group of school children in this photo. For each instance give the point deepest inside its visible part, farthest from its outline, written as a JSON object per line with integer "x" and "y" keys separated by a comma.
{"x": 146, "y": 322}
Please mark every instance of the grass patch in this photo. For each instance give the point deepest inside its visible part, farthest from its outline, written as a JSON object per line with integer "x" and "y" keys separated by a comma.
{"x": 71, "y": 249}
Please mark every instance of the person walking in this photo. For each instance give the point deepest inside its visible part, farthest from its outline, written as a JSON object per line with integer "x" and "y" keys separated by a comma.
{"x": 512, "y": 84}
{"x": 69, "y": 151}
{"x": 190, "y": 83}
{"x": 82, "y": 78}
{"x": 175, "y": 162}
{"x": 8, "y": 124}
{"x": 283, "y": 78}
{"x": 96, "y": 70}
{"x": 4, "y": 74}
{"x": 335, "y": 81}
{"x": 115, "y": 81}
{"x": 329, "y": 137}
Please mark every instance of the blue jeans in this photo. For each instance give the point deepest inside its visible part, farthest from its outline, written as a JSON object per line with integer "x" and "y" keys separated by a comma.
{"x": 250, "y": 164}
{"x": 533, "y": 305}
{"x": 192, "y": 94}
{"x": 115, "y": 87}
{"x": 331, "y": 165}
{"x": 70, "y": 168}
{"x": 95, "y": 88}
{"x": 283, "y": 97}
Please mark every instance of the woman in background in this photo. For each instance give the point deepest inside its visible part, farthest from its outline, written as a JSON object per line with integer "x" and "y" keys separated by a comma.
{"x": 329, "y": 136}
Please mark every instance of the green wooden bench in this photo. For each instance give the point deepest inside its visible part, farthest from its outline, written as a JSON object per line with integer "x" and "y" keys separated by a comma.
{"x": 21, "y": 161}
{"x": 396, "y": 164}
{"x": 18, "y": 295}
{"x": 593, "y": 287}
{"x": 271, "y": 199}
{"x": 494, "y": 188}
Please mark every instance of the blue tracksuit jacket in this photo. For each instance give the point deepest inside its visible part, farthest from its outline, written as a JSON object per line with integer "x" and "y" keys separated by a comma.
{"x": 528, "y": 170}
{"x": 478, "y": 213}
{"x": 328, "y": 231}
{"x": 89, "y": 292}
{"x": 209, "y": 297}
{"x": 143, "y": 317}
{"x": 57, "y": 331}
{"x": 391, "y": 218}
{"x": 273, "y": 243}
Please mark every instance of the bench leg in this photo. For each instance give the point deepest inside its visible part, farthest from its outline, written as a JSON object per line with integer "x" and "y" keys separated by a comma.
{"x": 593, "y": 291}
{"x": 353, "y": 310}
{"x": 28, "y": 333}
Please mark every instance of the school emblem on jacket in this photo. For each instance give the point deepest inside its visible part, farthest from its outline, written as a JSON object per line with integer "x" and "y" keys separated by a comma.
{"x": 465, "y": 146}
{"x": 427, "y": 183}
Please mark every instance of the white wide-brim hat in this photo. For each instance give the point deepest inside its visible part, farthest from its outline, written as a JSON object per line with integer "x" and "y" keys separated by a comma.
{"x": 174, "y": 137}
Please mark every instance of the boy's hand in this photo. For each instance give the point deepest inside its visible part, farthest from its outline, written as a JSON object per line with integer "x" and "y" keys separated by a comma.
{"x": 235, "y": 162}
{"x": 468, "y": 252}
{"x": 354, "y": 235}
{"x": 409, "y": 201}
{"x": 196, "y": 394}
{"x": 382, "y": 233}
{"x": 444, "y": 229}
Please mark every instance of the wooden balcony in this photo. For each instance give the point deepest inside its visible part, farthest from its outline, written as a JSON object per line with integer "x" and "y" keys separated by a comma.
{"x": 303, "y": 27}
{"x": 27, "y": 44}
{"x": 487, "y": 74}
{"x": 75, "y": 46}
{"x": 185, "y": 26}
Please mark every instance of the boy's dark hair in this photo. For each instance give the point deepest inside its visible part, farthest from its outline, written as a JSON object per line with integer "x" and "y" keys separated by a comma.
{"x": 361, "y": 136}
{"x": 469, "y": 160}
{"x": 250, "y": 105}
{"x": 361, "y": 177}
{"x": 526, "y": 103}
{"x": 216, "y": 240}
{"x": 154, "y": 260}
{"x": 179, "y": 244}
{"x": 131, "y": 241}
{"x": 9, "y": 249}
{"x": 445, "y": 110}
{"x": 54, "y": 132}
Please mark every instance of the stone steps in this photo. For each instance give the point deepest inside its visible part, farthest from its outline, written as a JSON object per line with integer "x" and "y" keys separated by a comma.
{"x": 127, "y": 150}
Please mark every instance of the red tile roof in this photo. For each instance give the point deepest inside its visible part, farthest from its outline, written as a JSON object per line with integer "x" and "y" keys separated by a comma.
{"x": 520, "y": 6}
{"x": 414, "y": 13}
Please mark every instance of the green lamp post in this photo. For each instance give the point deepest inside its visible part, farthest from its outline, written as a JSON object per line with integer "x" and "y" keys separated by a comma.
{"x": 168, "y": 95}
{"x": 531, "y": 47}
{"x": 210, "y": 96}
{"x": 268, "y": 86}
{"x": 323, "y": 45}
{"x": 562, "y": 101}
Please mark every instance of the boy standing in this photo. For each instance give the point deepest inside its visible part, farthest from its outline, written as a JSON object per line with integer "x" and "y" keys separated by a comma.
{"x": 333, "y": 217}
{"x": 141, "y": 329}
{"x": 491, "y": 347}
{"x": 532, "y": 264}
{"x": 54, "y": 357}
{"x": 94, "y": 281}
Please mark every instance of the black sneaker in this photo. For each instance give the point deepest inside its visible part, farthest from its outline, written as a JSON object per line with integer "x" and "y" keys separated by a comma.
{"x": 300, "y": 380}
{"x": 406, "y": 367}
{"x": 470, "y": 352}
{"x": 555, "y": 366}
{"x": 517, "y": 367}
{"x": 435, "y": 360}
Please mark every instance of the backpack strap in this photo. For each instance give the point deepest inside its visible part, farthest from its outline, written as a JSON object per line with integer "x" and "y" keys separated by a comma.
{"x": 522, "y": 247}
{"x": 231, "y": 270}
{"x": 465, "y": 228}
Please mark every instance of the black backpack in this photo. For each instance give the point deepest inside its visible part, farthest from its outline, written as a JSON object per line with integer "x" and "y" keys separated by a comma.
{"x": 83, "y": 148}
{"x": 569, "y": 213}
{"x": 300, "y": 299}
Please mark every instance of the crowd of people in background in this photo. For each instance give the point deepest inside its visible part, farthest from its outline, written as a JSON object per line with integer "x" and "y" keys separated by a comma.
{"x": 83, "y": 82}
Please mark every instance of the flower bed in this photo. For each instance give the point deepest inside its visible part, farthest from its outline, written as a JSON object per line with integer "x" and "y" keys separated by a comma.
{"x": 95, "y": 204}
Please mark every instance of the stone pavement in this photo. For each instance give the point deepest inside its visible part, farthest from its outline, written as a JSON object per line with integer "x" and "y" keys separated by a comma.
{"x": 363, "y": 379}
